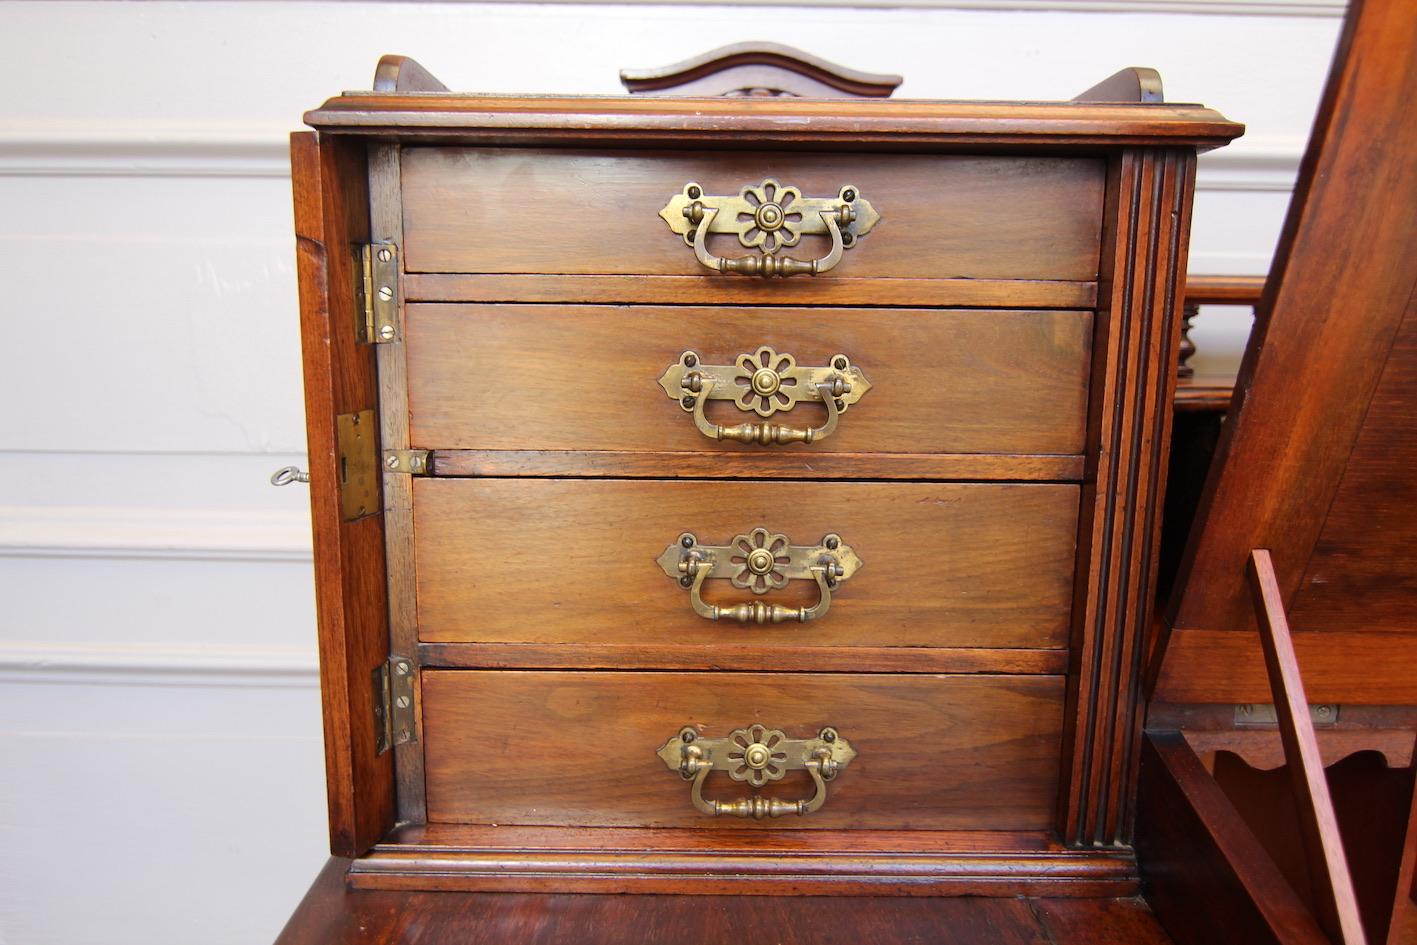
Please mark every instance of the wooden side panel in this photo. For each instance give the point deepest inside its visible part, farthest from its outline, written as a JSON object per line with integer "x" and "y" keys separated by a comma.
{"x": 1363, "y": 572}
{"x": 1149, "y": 206}
{"x": 535, "y": 377}
{"x": 574, "y": 561}
{"x": 560, "y": 211}
{"x": 1208, "y": 879}
{"x": 934, "y": 752}
{"x": 331, "y": 216}
{"x": 1344, "y": 274}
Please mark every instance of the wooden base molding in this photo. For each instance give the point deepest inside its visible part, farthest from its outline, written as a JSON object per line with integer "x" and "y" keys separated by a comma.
{"x": 739, "y": 862}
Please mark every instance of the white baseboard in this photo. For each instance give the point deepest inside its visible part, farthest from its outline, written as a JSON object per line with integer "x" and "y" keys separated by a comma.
{"x": 196, "y": 534}
{"x": 138, "y": 664}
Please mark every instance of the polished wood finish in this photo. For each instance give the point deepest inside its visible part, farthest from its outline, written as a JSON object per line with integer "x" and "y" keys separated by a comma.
{"x": 402, "y": 74}
{"x": 573, "y": 561}
{"x": 1331, "y": 885}
{"x": 764, "y": 464}
{"x": 500, "y": 377}
{"x": 333, "y": 914}
{"x": 1133, "y": 84}
{"x": 1144, "y": 263}
{"x": 697, "y": 289}
{"x": 758, "y": 69}
{"x": 779, "y": 122}
{"x": 488, "y": 210}
{"x": 1208, "y": 878}
{"x": 734, "y": 861}
{"x": 578, "y": 749}
{"x": 331, "y": 213}
{"x": 1335, "y": 300}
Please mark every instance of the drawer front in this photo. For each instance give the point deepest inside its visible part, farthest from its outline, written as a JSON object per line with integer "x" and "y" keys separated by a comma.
{"x": 536, "y": 377}
{"x": 487, "y": 210}
{"x": 565, "y": 748}
{"x": 576, "y": 561}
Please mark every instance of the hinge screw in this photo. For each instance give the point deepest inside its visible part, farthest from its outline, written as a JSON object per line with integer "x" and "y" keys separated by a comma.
{"x": 387, "y": 332}
{"x": 385, "y": 255}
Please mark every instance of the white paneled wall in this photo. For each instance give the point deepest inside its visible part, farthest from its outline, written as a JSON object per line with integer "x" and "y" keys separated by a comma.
{"x": 162, "y": 781}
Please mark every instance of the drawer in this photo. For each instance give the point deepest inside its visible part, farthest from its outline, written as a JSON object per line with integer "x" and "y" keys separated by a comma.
{"x": 566, "y": 748}
{"x": 492, "y": 210}
{"x": 553, "y": 377}
{"x": 567, "y": 561}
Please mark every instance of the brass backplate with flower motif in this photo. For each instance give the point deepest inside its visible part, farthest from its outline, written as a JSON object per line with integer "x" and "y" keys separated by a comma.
{"x": 763, "y": 382}
{"x": 760, "y": 560}
{"x": 770, "y": 215}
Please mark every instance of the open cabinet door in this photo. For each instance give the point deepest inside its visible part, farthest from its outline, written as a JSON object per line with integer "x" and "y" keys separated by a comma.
{"x": 1312, "y": 489}
{"x": 331, "y": 222}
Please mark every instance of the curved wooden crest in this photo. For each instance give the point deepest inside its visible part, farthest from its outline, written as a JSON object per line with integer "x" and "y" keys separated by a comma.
{"x": 758, "y": 69}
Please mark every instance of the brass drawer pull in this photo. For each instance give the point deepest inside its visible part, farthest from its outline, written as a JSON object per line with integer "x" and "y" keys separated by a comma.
{"x": 757, "y": 754}
{"x": 759, "y": 561}
{"x": 767, "y": 218}
{"x": 764, "y": 382}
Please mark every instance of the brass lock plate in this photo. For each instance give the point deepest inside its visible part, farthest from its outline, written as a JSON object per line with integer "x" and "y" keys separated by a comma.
{"x": 357, "y": 439}
{"x": 763, "y": 382}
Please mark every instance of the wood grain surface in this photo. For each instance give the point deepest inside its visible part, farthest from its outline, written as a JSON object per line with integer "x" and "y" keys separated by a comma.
{"x": 941, "y": 752}
{"x": 574, "y": 561}
{"x": 561, "y": 211}
{"x": 542, "y": 377}
{"x": 332, "y": 914}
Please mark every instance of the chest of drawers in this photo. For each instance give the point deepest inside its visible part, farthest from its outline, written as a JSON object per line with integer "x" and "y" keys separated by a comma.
{"x": 738, "y": 495}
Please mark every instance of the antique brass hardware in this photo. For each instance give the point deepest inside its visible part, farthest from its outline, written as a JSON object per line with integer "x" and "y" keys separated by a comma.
{"x": 357, "y": 437}
{"x": 768, "y": 217}
{"x": 757, "y": 754}
{"x": 413, "y": 462}
{"x": 377, "y": 318}
{"x": 393, "y": 704}
{"x": 759, "y": 561}
{"x": 764, "y": 382}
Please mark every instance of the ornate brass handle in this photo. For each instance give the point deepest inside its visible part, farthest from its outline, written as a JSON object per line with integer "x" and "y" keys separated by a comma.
{"x": 757, "y": 754}
{"x": 768, "y": 217}
{"x": 764, "y": 382}
{"x": 759, "y": 561}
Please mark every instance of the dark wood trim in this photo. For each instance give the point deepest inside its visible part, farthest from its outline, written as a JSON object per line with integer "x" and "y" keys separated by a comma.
{"x": 1132, "y": 84}
{"x": 770, "y": 57}
{"x": 784, "y": 122}
{"x": 1208, "y": 879}
{"x": 689, "y": 290}
{"x": 791, "y": 658}
{"x": 716, "y": 861}
{"x": 331, "y": 217}
{"x": 1148, "y": 207}
{"x": 794, "y": 464}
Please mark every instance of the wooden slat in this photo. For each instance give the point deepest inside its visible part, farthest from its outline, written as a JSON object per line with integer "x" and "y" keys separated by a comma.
{"x": 1144, "y": 264}
{"x": 1350, "y": 666}
{"x": 331, "y": 215}
{"x": 743, "y": 656}
{"x": 1224, "y": 290}
{"x": 1208, "y": 879}
{"x": 1330, "y": 881}
{"x": 537, "y": 377}
{"x": 710, "y": 290}
{"x": 579, "y": 749}
{"x": 489, "y": 210}
{"x": 767, "y": 464}
{"x": 574, "y": 561}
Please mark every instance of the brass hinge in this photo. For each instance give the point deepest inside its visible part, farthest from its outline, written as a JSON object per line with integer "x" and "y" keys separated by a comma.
{"x": 413, "y": 462}
{"x": 1259, "y": 715}
{"x": 377, "y": 318}
{"x": 357, "y": 438}
{"x": 393, "y": 704}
